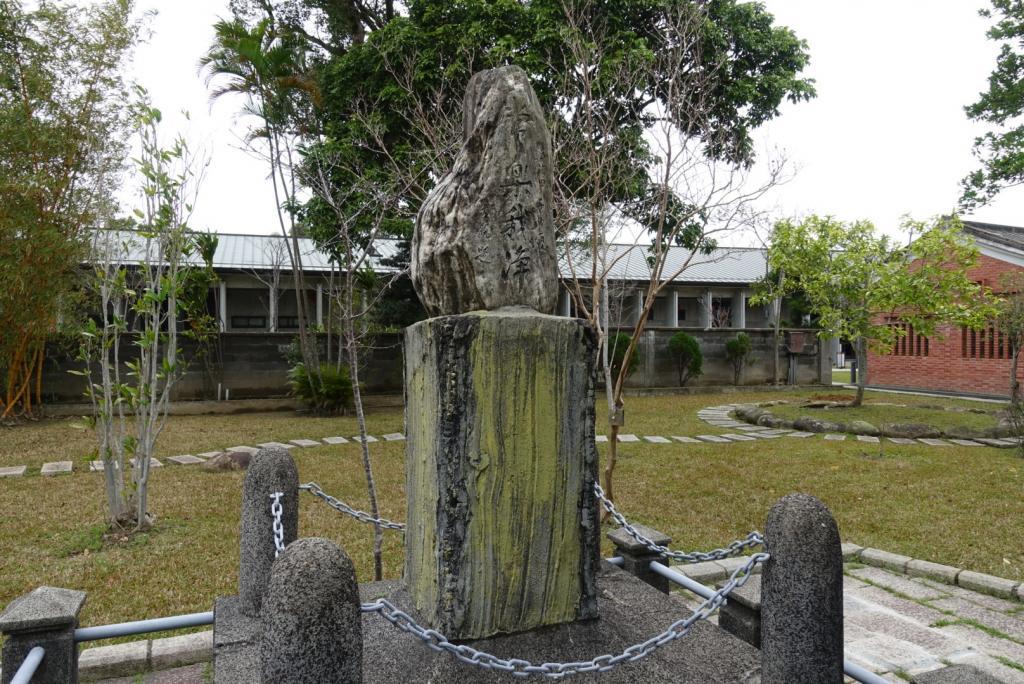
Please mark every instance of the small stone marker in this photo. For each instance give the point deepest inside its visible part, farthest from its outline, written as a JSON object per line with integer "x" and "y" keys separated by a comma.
{"x": 306, "y": 443}
{"x": 686, "y": 440}
{"x": 369, "y": 439}
{"x": 601, "y": 438}
{"x": 740, "y": 438}
{"x": 13, "y": 471}
{"x": 965, "y": 442}
{"x": 655, "y": 439}
{"x": 835, "y": 438}
{"x": 279, "y": 445}
{"x": 311, "y": 624}
{"x": 933, "y": 442}
{"x": 335, "y": 440}
{"x": 867, "y": 438}
{"x": 56, "y": 468}
{"x": 713, "y": 438}
{"x": 628, "y": 438}
{"x": 243, "y": 449}
{"x": 901, "y": 440}
{"x": 271, "y": 470}
{"x": 187, "y": 459}
{"x": 394, "y": 437}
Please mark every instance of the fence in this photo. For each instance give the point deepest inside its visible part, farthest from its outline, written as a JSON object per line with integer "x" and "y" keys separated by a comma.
{"x": 799, "y": 616}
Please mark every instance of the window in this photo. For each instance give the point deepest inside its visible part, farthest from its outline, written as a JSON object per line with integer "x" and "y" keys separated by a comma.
{"x": 908, "y": 343}
{"x": 249, "y": 322}
{"x": 986, "y": 343}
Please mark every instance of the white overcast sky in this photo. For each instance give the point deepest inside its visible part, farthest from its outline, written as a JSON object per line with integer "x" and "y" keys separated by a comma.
{"x": 886, "y": 135}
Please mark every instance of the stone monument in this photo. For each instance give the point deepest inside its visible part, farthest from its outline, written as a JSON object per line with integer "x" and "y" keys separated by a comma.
{"x": 502, "y": 532}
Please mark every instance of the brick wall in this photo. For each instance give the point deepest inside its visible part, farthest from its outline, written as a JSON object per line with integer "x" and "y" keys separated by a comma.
{"x": 954, "y": 360}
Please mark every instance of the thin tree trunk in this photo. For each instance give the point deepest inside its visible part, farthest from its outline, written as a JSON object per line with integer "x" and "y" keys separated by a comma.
{"x": 862, "y": 370}
{"x": 1014, "y": 383}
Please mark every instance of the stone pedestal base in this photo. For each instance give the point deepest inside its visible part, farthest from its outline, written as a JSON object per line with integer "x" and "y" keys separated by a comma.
{"x": 502, "y": 532}
{"x": 631, "y": 612}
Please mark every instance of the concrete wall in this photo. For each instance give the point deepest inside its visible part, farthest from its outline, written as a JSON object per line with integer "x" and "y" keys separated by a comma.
{"x": 254, "y": 365}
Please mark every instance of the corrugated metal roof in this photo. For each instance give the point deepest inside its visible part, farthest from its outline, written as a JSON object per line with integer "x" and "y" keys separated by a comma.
{"x": 739, "y": 265}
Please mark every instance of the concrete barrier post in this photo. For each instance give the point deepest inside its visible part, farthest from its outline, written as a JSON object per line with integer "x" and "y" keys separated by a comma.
{"x": 271, "y": 470}
{"x": 636, "y": 557}
{"x": 802, "y": 594}
{"x": 311, "y": 623}
{"x": 45, "y": 617}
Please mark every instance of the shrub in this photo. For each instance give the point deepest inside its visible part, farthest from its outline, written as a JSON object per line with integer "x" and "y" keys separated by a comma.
{"x": 617, "y": 345}
{"x": 334, "y": 394}
{"x": 736, "y": 352}
{"x": 685, "y": 350}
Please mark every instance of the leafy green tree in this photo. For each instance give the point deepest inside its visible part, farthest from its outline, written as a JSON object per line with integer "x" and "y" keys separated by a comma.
{"x": 857, "y": 282}
{"x": 1000, "y": 151}
{"x": 1009, "y": 321}
{"x": 685, "y": 351}
{"x": 62, "y": 144}
{"x": 737, "y": 353}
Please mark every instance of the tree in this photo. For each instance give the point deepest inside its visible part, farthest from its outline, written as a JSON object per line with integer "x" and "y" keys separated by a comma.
{"x": 685, "y": 350}
{"x": 62, "y": 146}
{"x": 737, "y": 353}
{"x": 139, "y": 280}
{"x": 1009, "y": 320}
{"x": 858, "y": 283}
{"x": 1000, "y": 151}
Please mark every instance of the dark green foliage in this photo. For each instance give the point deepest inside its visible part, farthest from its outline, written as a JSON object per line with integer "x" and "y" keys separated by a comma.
{"x": 1001, "y": 151}
{"x": 686, "y": 352}
{"x": 617, "y": 345}
{"x": 737, "y": 351}
{"x": 334, "y": 394}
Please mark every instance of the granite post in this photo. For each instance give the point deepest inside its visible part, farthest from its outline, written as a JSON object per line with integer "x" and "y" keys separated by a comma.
{"x": 311, "y": 622}
{"x": 802, "y": 594}
{"x": 45, "y": 617}
{"x": 271, "y": 470}
{"x": 636, "y": 557}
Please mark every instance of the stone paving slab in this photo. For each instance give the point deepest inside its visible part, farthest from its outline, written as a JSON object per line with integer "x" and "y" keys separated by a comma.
{"x": 752, "y": 428}
{"x": 686, "y": 440}
{"x": 901, "y": 440}
{"x": 933, "y": 442}
{"x": 801, "y": 434}
{"x": 628, "y": 438}
{"x": 13, "y": 471}
{"x": 997, "y": 443}
{"x": 184, "y": 460}
{"x": 306, "y": 443}
{"x": 984, "y": 600}
{"x": 835, "y": 437}
{"x": 369, "y": 439}
{"x": 242, "y": 448}
{"x": 1007, "y": 624}
{"x": 767, "y": 435}
{"x": 884, "y": 653}
{"x": 153, "y": 463}
{"x": 335, "y": 440}
{"x": 971, "y": 671}
{"x": 600, "y": 438}
{"x": 56, "y": 468}
{"x": 965, "y": 442}
{"x": 394, "y": 437}
{"x": 937, "y": 644}
{"x": 713, "y": 438}
{"x": 740, "y": 438}
{"x": 991, "y": 670}
{"x": 656, "y": 439}
{"x": 899, "y": 583}
{"x": 777, "y": 431}
{"x": 279, "y": 445}
{"x": 209, "y": 454}
{"x": 985, "y": 642}
{"x": 872, "y": 596}
{"x": 868, "y": 438}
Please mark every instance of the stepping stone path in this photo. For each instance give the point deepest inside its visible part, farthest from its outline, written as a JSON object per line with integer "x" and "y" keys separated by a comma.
{"x": 867, "y": 438}
{"x": 628, "y": 438}
{"x": 686, "y": 440}
{"x": 279, "y": 445}
{"x": 740, "y": 438}
{"x": 965, "y": 442}
{"x": 208, "y": 454}
{"x": 654, "y": 439}
{"x": 997, "y": 443}
{"x": 601, "y": 438}
{"x": 13, "y": 471}
{"x": 835, "y": 438}
{"x": 800, "y": 434}
{"x": 369, "y": 439}
{"x": 243, "y": 449}
{"x": 933, "y": 442}
{"x": 335, "y": 440}
{"x": 56, "y": 468}
{"x": 901, "y": 440}
{"x": 307, "y": 443}
{"x": 713, "y": 438}
{"x": 187, "y": 459}
{"x": 394, "y": 437}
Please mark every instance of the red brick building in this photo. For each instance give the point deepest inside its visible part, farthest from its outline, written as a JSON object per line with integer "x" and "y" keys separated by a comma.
{"x": 959, "y": 359}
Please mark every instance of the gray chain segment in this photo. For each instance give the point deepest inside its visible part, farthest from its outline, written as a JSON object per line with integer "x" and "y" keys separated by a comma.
{"x": 602, "y": 663}
{"x": 277, "y": 510}
{"x": 733, "y": 549}
{"x": 314, "y": 489}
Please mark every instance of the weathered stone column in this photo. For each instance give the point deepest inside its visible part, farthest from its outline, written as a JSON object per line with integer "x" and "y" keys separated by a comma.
{"x": 311, "y": 626}
{"x": 271, "y": 470}
{"x": 502, "y": 532}
{"x": 802, "y": 594}
{"x": 45, "y": 617}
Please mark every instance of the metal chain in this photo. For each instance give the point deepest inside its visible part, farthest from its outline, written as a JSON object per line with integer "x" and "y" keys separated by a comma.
{"x": 277, "y": 510}
{"x": 314, "y": 489}
{"x": 733, "y": 549}
{"x": 602, "y": 663}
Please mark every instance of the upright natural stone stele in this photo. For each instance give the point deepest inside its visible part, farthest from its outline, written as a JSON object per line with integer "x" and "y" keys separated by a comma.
{"x": 485, "y": 236}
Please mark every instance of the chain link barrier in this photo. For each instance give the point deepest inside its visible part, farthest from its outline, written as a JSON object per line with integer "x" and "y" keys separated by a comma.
{"x": 342, "y": 507}
{"x": 733, "y": 549}
{"x": 277, "y": 510}
{"x": 436, "y": 641}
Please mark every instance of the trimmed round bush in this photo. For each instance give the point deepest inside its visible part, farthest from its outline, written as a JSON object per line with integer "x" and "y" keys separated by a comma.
{"x": 686, "y": 352}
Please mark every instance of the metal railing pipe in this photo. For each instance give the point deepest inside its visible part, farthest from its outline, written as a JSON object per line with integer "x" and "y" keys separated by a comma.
{"x": 29, "y": 666}
{"x": 861, "y": 674}
{"x": 682, "y": 580}
{"x": 143, "y": 626}
{"x": 617, "y": 561}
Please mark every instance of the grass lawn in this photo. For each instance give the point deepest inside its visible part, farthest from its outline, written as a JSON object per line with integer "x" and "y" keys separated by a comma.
{"x": 956, "y": 505}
